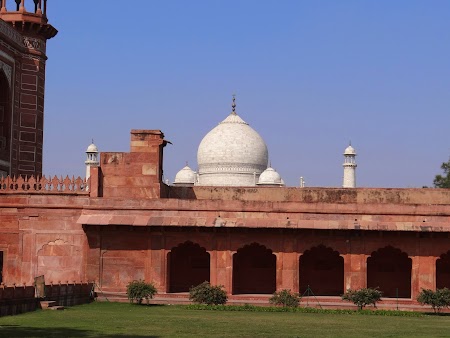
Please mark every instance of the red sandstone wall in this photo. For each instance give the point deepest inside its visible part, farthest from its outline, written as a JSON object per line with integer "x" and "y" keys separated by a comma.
{"x": 44, "y": 234}
{"x": 315, "y": 195}
{"x": 125, "y": 253}
{"x": 40, "y": 235}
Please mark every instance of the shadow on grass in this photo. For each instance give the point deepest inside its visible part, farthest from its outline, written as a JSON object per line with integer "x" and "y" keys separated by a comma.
{"x": 24, "y": 331}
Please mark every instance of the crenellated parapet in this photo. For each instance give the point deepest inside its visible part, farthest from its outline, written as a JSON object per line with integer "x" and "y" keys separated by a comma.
{"x": 44, "y": 185}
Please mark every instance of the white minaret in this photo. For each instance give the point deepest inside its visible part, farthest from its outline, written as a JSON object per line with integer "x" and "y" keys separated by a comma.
{"x": 91, "y": 158}
{"x": 349, "y": 167}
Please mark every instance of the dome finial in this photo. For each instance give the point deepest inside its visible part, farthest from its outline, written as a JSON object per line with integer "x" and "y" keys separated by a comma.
{"x": 233, "y": 105}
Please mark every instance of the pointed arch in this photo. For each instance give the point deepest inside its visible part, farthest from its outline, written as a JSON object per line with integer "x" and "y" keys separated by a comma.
{"x": 389, "y": 269}
{"x": 443, "y": 271}
{"x": 188, "y": 264}
{"x": 254, "y": 270}
{"x": 322, "y": 269}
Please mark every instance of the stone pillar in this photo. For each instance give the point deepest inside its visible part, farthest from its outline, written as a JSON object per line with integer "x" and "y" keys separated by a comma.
{"x": 158, "y": 263}
{"x": 93, "y": 234}
{"x": 223, "y": 274}
{"x": 423, "y": 274}
{"x": 287, "y": 271}
{"x": 355, "y": 271}
{"x": 213, "y": 267}
{"x": 222, "y": 262}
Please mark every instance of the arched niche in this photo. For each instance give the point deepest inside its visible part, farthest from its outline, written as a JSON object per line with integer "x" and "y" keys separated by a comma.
{"x": 322, "y": 269}
{"x": 389, "y": 269}
{"x": 60, "y": 261}
{"x": 254, "y": 270}
{"x": 443, "y": 271}
{"x": 188, "y": 264}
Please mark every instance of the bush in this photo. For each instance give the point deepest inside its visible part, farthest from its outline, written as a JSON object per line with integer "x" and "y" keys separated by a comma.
{"x": 139, "y": 289}
{"x": 362, "y": 297}
{"x": 206, "y": 293}
{"x": 437, "y": 299}
{"x": 286, "y": 298}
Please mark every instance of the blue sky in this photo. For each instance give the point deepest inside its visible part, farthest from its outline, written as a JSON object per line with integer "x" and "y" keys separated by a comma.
{"x": 309, "y": 76}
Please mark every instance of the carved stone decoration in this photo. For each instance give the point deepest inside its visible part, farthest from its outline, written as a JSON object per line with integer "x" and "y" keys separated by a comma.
{"x": 7, "y": 69}
{"x": 43, "y": 185}
{"x": 32, "y": 43}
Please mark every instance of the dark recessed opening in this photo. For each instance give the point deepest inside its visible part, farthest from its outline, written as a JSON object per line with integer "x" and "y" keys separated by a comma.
{"x": 1, "y": 266}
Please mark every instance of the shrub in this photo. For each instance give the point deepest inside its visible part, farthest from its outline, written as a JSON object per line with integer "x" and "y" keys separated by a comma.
{"x": 206, "y": 293}
{"x": 286, "y": 298}
{"x": 437, "y": 299}
{"x": 362, "y": 297}
{"x": 139, "y": 289}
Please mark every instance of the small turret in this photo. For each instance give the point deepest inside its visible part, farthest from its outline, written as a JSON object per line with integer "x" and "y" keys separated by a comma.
{"x": 270, "y": 178}
{"x": 29, "y": 17}
{"x": 185, "y": 177}
{"x": 349, "y": 165}
{"x": 92, "y": 159}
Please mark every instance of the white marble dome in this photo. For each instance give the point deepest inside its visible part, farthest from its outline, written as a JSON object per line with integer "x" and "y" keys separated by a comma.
{"x": 349, "y": 150}
{"x": 231, "y": 154}
{"x": 92, "y": 148}
{"x": 270, "y": 177}
{"x": 185, "y": 176}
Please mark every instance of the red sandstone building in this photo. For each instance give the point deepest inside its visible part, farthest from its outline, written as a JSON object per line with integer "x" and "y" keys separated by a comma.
{"x": 126, "y": 224}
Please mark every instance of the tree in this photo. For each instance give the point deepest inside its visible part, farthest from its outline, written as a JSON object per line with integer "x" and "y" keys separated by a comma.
{"x": 139, "y": 289}
{"x": 286, "y": 298}
{"x": 443, "y": 181}
{"x": 206, "y": 293}
{"x": 436, "y": 299}
{"x": 362, "y": 297}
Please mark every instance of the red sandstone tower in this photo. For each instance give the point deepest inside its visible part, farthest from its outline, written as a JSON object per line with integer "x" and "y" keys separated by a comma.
{"x": 24, "y": 31}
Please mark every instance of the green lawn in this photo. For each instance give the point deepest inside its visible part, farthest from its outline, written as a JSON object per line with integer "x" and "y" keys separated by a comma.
{"x": 126, "y": 320}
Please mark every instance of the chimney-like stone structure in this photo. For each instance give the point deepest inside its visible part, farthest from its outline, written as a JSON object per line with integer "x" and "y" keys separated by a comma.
{"x": 137, "y": 174}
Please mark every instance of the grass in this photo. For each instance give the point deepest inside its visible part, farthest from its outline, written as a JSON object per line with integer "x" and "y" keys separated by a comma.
{"x": 127, "y": 320}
